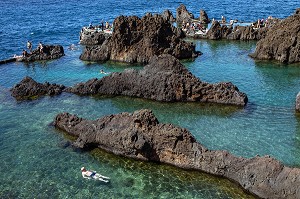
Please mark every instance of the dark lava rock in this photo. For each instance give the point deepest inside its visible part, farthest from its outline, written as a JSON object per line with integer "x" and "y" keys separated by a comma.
{"x": 218, "y": 31}
{"x": 136, "y": 40}
{"x": 168, "y": 16}
{"x": 49, "y": 52}
{"x": 92, "y": 37}
{"x": 247, "y": 33}
{"x": 203, "y": 17}
{"x": 140, "y": 136}
{"x": 282, "y": 41}
{"x": 164, "y": 79}
{"x": 30, "y": 89}
{"x": 183, "y": 15}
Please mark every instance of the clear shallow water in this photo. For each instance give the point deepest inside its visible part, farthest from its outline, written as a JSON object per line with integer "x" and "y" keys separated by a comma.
{"x": 36, "y": 161}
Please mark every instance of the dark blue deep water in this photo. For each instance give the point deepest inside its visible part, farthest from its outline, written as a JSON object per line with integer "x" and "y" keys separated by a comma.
{"x": 36, "y": 161}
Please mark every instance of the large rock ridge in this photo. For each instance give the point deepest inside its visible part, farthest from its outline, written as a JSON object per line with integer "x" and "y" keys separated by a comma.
{"x": 136, "y": 40}
{"x": 140, "y": 135}
{"x": 164, "y": 79}
{"x": 282, "y": 41}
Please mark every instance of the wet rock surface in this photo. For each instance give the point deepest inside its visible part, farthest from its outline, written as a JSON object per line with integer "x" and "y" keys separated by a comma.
{"x": 140, "y": 136}
{"x": 30, "y": 89}
{"x": 164, "y": 79}
{"x": 282, "y": 41}
{"x": 136, "y": 40}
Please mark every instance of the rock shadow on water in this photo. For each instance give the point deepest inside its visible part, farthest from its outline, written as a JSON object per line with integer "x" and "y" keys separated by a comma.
{"x": 159, "y": 178}
{"x": 182, "y": 109}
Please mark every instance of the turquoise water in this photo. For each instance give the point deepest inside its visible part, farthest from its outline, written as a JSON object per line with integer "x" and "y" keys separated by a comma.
{"x": 37, "y": 161}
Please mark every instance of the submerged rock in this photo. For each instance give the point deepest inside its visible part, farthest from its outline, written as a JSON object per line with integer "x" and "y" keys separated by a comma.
{"x": 49, "y": 52}
{"x": 282, "y": 41}
{"x": 30, "y": 89}
{"x": 164, "y": 79}
{"x": 136, "y": 40}
{"x": 140, "y": 136}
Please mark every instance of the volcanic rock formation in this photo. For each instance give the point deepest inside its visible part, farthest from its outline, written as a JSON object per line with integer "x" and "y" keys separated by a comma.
{"x": 203, "y": 19}
{"x": 141, "y": 136}
{"x": 168, "y": 16}
{"x": 217, "y": 31}
{"x": 92, "y": 37}
{"x": 282, "y": 41}
{"x": 30, "y": 89}
{"x": 164, "y": 79}
{"x": 183, "y": 15}
{"x": 137, "y": 40}
{"x": 49, "y": 52}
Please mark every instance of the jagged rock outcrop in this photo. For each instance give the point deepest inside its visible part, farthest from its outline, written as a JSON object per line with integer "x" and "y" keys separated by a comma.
{"x": 49, "y": 52}
{"x": 168, "y": 16}
{"x": 247, "y": 33}
{"x": 139, "y": 135}
{"x": 282, "y": 41}
{"x": 164, "y": 79}
{"x": 30, "y": 89}
{"x": 92, "y": 36}
{"x": 218, "y": 31}
{"x": 137, "y": 40}
{"x": 183, "y": 15}
{"x": 203, "y": 17}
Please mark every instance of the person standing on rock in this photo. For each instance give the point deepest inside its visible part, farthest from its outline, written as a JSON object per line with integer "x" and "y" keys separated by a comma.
{"x": 41, "y": 47}
{"x": 29, "y": 45}
{"x": 24, "y": 53}
{"x": 102, "y": 25}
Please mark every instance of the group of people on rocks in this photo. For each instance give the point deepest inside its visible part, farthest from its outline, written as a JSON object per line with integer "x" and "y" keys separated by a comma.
{"x": 263, "y": 23}
{"x": 40, "y": 48}
{"x": 101, "y": 25}
{"x": 192, "y": 27}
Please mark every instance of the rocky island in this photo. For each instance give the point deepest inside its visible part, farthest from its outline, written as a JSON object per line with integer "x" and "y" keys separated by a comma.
{"x": 163, "y": 79}
{"x": 136, "y": 40}
{"x": 30, "y": 89}
{"x": 140, "y": 136}
{"x": 48, "y": 52}
{"x": 282, "y": 41}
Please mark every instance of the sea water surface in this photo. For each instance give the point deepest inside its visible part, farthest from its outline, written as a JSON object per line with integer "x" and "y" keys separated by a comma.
{"x": 37, "y": 160}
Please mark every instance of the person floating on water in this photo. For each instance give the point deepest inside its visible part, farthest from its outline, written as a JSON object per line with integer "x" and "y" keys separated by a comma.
{"x": 93, "y": 175}
{"x": 103, "y": 72}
